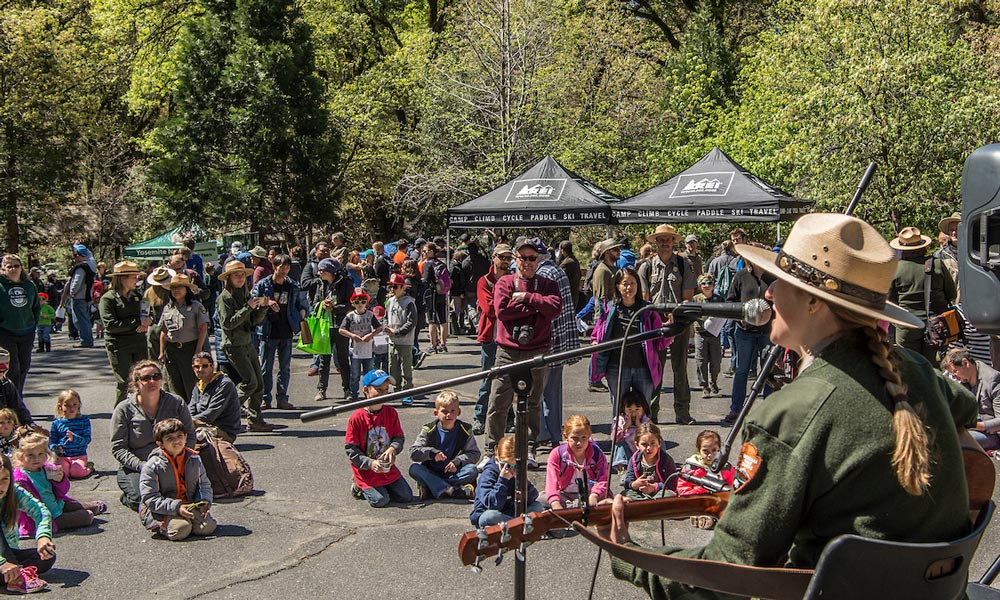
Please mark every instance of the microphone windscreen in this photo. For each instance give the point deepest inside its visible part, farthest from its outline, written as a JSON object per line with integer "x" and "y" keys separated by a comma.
{"x": 757, "y": 312}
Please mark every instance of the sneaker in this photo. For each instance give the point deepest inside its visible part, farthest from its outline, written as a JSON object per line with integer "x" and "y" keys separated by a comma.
{"x": 597, "y": 387}
{"x": 443, "y": 348}
{"x": 285, "y": 405}
{"x": 423, "y": 493}
{"x": 313, "y": 372}
{"x": 468, "y": 492}
{"x": 356, "y": 491}
{"x": 407, "y": 401}
{"x": 262, "y": 427}
{"x": 729, "y": 373}
{"x": 532, "y": 463}
{"x": 320, "y": 396}
{"x": 478, "y": 428}
{"x": 686, "y": 420}
{"x": 265, "y": 406}
{"x": 99, "y": 509}
{"x": 487, "y": 457}
{"x": 419, "y": 360}
{"x": 28, "y": 583}
{"x": 715, "y": 388}
{"x": 731, "y": 417}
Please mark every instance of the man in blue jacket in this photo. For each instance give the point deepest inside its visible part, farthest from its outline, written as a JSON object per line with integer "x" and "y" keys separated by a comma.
{"x": 277, "y": 331}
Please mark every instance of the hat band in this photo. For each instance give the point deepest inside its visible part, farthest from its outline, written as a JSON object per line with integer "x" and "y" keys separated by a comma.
{"x": 917, "y": 242}
{"x": 822, "y": 280}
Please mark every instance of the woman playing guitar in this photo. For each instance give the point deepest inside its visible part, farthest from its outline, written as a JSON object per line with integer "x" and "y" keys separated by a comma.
{"x": 864, "y": 441}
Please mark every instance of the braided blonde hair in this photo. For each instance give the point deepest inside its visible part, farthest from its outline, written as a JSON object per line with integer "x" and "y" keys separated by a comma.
{"x": 911, "y": 456}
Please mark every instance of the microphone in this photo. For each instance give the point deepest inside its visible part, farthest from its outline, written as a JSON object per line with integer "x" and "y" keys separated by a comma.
{"x": 711, "y": 481}
{"x": 755, "y": 312}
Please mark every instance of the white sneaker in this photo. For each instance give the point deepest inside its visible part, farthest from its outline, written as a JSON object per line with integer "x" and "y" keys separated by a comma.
{"x": 485, "y": 461}
{"x": 532, "y": 463}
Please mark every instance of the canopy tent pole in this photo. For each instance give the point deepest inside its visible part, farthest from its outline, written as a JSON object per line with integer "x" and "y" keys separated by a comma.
{"x": 447, "y": 243}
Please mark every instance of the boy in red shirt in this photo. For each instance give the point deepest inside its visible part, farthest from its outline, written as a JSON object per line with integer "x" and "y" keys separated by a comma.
{"x": 373, "y": 440}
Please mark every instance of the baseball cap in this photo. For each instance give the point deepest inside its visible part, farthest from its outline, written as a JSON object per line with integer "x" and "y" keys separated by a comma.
{"x": 502, "y": 249}
{"x": 329, "y": 265}
{"x": 376, "y": 377}
{"x": 691, "y": 238}
{"x": 523, "y": 242}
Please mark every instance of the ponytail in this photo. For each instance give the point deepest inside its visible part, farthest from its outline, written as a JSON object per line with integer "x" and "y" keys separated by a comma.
{"x": 911, "y": 455}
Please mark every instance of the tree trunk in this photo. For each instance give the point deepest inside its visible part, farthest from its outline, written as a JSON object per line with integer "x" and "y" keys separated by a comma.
{"x": 12, "y": 226}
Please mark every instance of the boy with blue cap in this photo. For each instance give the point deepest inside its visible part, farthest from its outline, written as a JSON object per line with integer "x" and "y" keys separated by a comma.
{"x": 373, "y": 440}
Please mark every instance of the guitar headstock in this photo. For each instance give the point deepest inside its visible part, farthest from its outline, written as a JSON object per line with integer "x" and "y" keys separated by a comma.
{"x": 495, "y": 540}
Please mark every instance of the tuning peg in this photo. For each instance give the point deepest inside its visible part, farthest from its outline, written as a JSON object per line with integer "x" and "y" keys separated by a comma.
{"x": 499, "y": 557}
{"x": 484, "y": 538}
{"x": 520, "y": 551}
{"x": 527, "y": 524}
{"x": 475, "y": 566}
{"x": 504, "y": 533}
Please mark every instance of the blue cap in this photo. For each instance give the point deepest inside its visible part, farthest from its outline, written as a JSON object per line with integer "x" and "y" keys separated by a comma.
{"x": 376, "y": 377}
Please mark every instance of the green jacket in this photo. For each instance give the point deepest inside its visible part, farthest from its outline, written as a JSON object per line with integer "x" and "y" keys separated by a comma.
{"x": 19, "y": 306}
{"x": 237, "y": 318}
{"x": 120, "y": 314}
{"x": 825, "y": 442}
{"x": 907, "y": 288}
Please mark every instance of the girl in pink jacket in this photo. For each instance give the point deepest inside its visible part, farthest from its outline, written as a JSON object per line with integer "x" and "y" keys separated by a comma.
{"x": 577, "y": 457}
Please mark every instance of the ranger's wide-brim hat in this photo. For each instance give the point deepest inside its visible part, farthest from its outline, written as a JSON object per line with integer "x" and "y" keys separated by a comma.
{"x": 234, "y": 266}
{"x": 126, "y": 267}
{"x": 181, "y": 280}
{"x": 664, "y": 230}
{"x": 910, "y": 238}
{"x": 839, "y": 259}
{"x": 946, "y": 223}
{"x": 160, "y": 276}
{"x": 607, "y": 245}
{"x": 258, "y": 252}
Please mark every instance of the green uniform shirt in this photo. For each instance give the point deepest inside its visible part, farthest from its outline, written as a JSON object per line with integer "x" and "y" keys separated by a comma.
{"x": 120, "y": 313}
{"x": 237, "y": 318}
{"x": 182, "y": 322}
{"x": 825, "y": 442}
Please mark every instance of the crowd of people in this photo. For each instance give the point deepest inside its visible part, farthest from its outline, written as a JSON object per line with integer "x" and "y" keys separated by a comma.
{"x": 208, "y": 344}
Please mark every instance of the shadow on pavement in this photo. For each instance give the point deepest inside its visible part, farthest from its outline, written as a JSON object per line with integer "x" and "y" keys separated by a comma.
{"x": 67, "y": 577}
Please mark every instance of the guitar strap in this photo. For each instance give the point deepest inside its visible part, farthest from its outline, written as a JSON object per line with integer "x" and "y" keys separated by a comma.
{"x": 726, "y": 578}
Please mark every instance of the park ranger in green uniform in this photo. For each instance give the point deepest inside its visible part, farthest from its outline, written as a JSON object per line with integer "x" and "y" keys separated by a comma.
{"x": 153, "y": 301}
{"x": 840, "y": 450}
{"x": 183, "y": 329}
{"x": 124, "y": 326}
{"x": 239, "y": 314}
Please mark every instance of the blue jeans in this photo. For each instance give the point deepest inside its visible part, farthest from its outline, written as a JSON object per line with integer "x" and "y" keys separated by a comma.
{"x": 381, "y": 361}
{"x": 487, "y": 357}
{"x": 492, "y": 517}
{"x": 397, "y": 491}
{"x": 81, "y": 317}
{"x": 283, "y": 347}
{"x": 359, "y": 366}
{"x": 636, "y": 378}
{"x": 438, "y": 483}
{"x": 45, "y": 334}
{"x": 988, "y": 441}
{"x": 728, "y": 341}
{"x": 552, "y": 403}
{"x": 747, "y": 352}
{"x": 621, "y": 454}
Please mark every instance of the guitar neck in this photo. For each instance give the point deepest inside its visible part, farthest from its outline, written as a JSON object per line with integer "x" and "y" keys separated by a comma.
{"x": 491, "y": 540}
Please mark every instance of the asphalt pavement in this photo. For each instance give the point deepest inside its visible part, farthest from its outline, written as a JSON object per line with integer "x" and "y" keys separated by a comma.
{"x": 302, "y": 534}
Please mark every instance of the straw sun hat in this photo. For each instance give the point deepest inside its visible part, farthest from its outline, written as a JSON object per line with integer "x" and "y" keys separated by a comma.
{"x": 234, "y": 266}
{"x": 910, "y": 238}
{"x": 181, "y": 280}
{"x": 160, "y": 276}
{"x": 125, "y": 267}
{"x": 664, "y": 231}
{"x": 839, "y": 259}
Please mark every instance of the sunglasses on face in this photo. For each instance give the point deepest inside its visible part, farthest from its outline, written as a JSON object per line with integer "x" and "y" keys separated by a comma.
{"x": 359, "y": 302}
{"x": 151, "y": 377}
{"x": 506, "y": 257}
{"x": 532, "y": 258}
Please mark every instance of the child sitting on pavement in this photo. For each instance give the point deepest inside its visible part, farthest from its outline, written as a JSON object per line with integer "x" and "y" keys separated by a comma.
{"x": 445, "y": 453}
{"x": 36, "y": 473}
{"x": 708, "y": 444}
{"x": 651, "y": 471}
{"x": 175, "y": 490}
{"x": 494, "y": 501}
{"x": 20, "y": 567}
{"x": 634, "y": 412}
{"x": 374, "y": 437}
{"x": 69, "y": 436}
{"x": 578, "y": 456}
{"x": 9, "y": 426}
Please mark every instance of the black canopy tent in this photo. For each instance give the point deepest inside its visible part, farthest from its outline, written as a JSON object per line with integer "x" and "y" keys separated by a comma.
{"x": 546, "y": 195}
{"x": 716, "y": 189}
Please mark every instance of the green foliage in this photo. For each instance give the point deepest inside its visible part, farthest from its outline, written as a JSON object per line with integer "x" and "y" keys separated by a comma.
{"x": 248, "y": 141}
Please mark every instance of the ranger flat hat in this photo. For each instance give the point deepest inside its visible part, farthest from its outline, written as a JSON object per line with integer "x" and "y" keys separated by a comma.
{"x": 945, "y": 224}
{"x": 664, "y": 230}
{"x": 181, "y": 280}
{"x": 126, "y": 267}
{"x": 839, "y": 259}
{"x": 160, "y": 276}
{"x": 910, "y": 238}
{"x": 234, "y": 266}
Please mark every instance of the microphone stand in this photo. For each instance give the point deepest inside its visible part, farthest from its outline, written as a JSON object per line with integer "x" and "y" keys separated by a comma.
{"x": 521, "y": 380}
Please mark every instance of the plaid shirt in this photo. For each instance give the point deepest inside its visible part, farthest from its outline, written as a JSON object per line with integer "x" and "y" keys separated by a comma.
{"x": 564, "y": 333}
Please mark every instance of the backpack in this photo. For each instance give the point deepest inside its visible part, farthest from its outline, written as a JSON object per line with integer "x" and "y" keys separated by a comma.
{"x": 442, "y": 278}
{"x": 725, "y": 280}
{"x": 228, "y": 471}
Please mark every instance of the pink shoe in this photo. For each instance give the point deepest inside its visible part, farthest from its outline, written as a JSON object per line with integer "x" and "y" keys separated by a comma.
{"x": 28, "y": 583}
